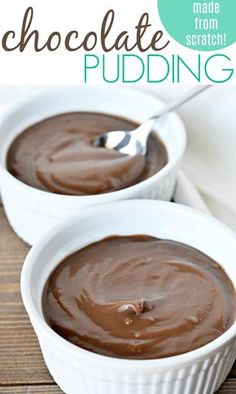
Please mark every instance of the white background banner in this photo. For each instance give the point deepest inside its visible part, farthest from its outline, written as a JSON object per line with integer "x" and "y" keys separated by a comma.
{"x": 64, "y": 67}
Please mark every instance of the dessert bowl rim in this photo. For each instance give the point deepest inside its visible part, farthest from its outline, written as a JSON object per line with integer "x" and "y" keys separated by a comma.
{"x": 75, "y": 351}
{"x": 118, "y": 194}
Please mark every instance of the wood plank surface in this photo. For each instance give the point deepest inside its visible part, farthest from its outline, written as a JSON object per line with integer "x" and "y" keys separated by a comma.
{"x": 21, "y": 361}
{"x": 22, "y": 369}
{"x": 31, "y": 389}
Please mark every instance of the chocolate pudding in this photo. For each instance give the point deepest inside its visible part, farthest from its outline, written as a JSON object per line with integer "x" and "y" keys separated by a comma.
{"x": 139, "y": 297}
{"x": 58, "y": 155}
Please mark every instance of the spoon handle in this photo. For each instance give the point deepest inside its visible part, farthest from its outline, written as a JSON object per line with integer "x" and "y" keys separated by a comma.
{"x": 183, "y": 99}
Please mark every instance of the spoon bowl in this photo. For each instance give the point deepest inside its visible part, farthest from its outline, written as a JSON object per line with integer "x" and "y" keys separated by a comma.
{"x": 135, "y": 142}
{"x": 128, "y": 142}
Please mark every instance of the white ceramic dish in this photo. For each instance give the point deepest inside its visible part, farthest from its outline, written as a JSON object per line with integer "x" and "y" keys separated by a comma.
{"x": 32, "y": 212}
{"x": 76, "y": 370}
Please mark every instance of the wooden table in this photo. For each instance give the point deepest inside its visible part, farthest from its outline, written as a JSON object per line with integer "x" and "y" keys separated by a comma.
{"x": 22, "y": 369}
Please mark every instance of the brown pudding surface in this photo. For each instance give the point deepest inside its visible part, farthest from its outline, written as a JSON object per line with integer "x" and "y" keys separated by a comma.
{"x": 58, "y": 155}
{"x": 139, "y": 297}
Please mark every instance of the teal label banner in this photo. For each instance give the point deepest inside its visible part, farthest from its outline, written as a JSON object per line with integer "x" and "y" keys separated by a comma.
{"x": 200, "y": 25}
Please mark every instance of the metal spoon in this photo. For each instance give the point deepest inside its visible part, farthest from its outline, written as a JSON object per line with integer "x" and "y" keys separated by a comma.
{"x": 135, "y": 142}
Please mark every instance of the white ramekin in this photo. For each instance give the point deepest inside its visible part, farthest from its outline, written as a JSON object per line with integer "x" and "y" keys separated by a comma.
{"x": 32, "y": 212}
{"x": 76, "y": 370}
